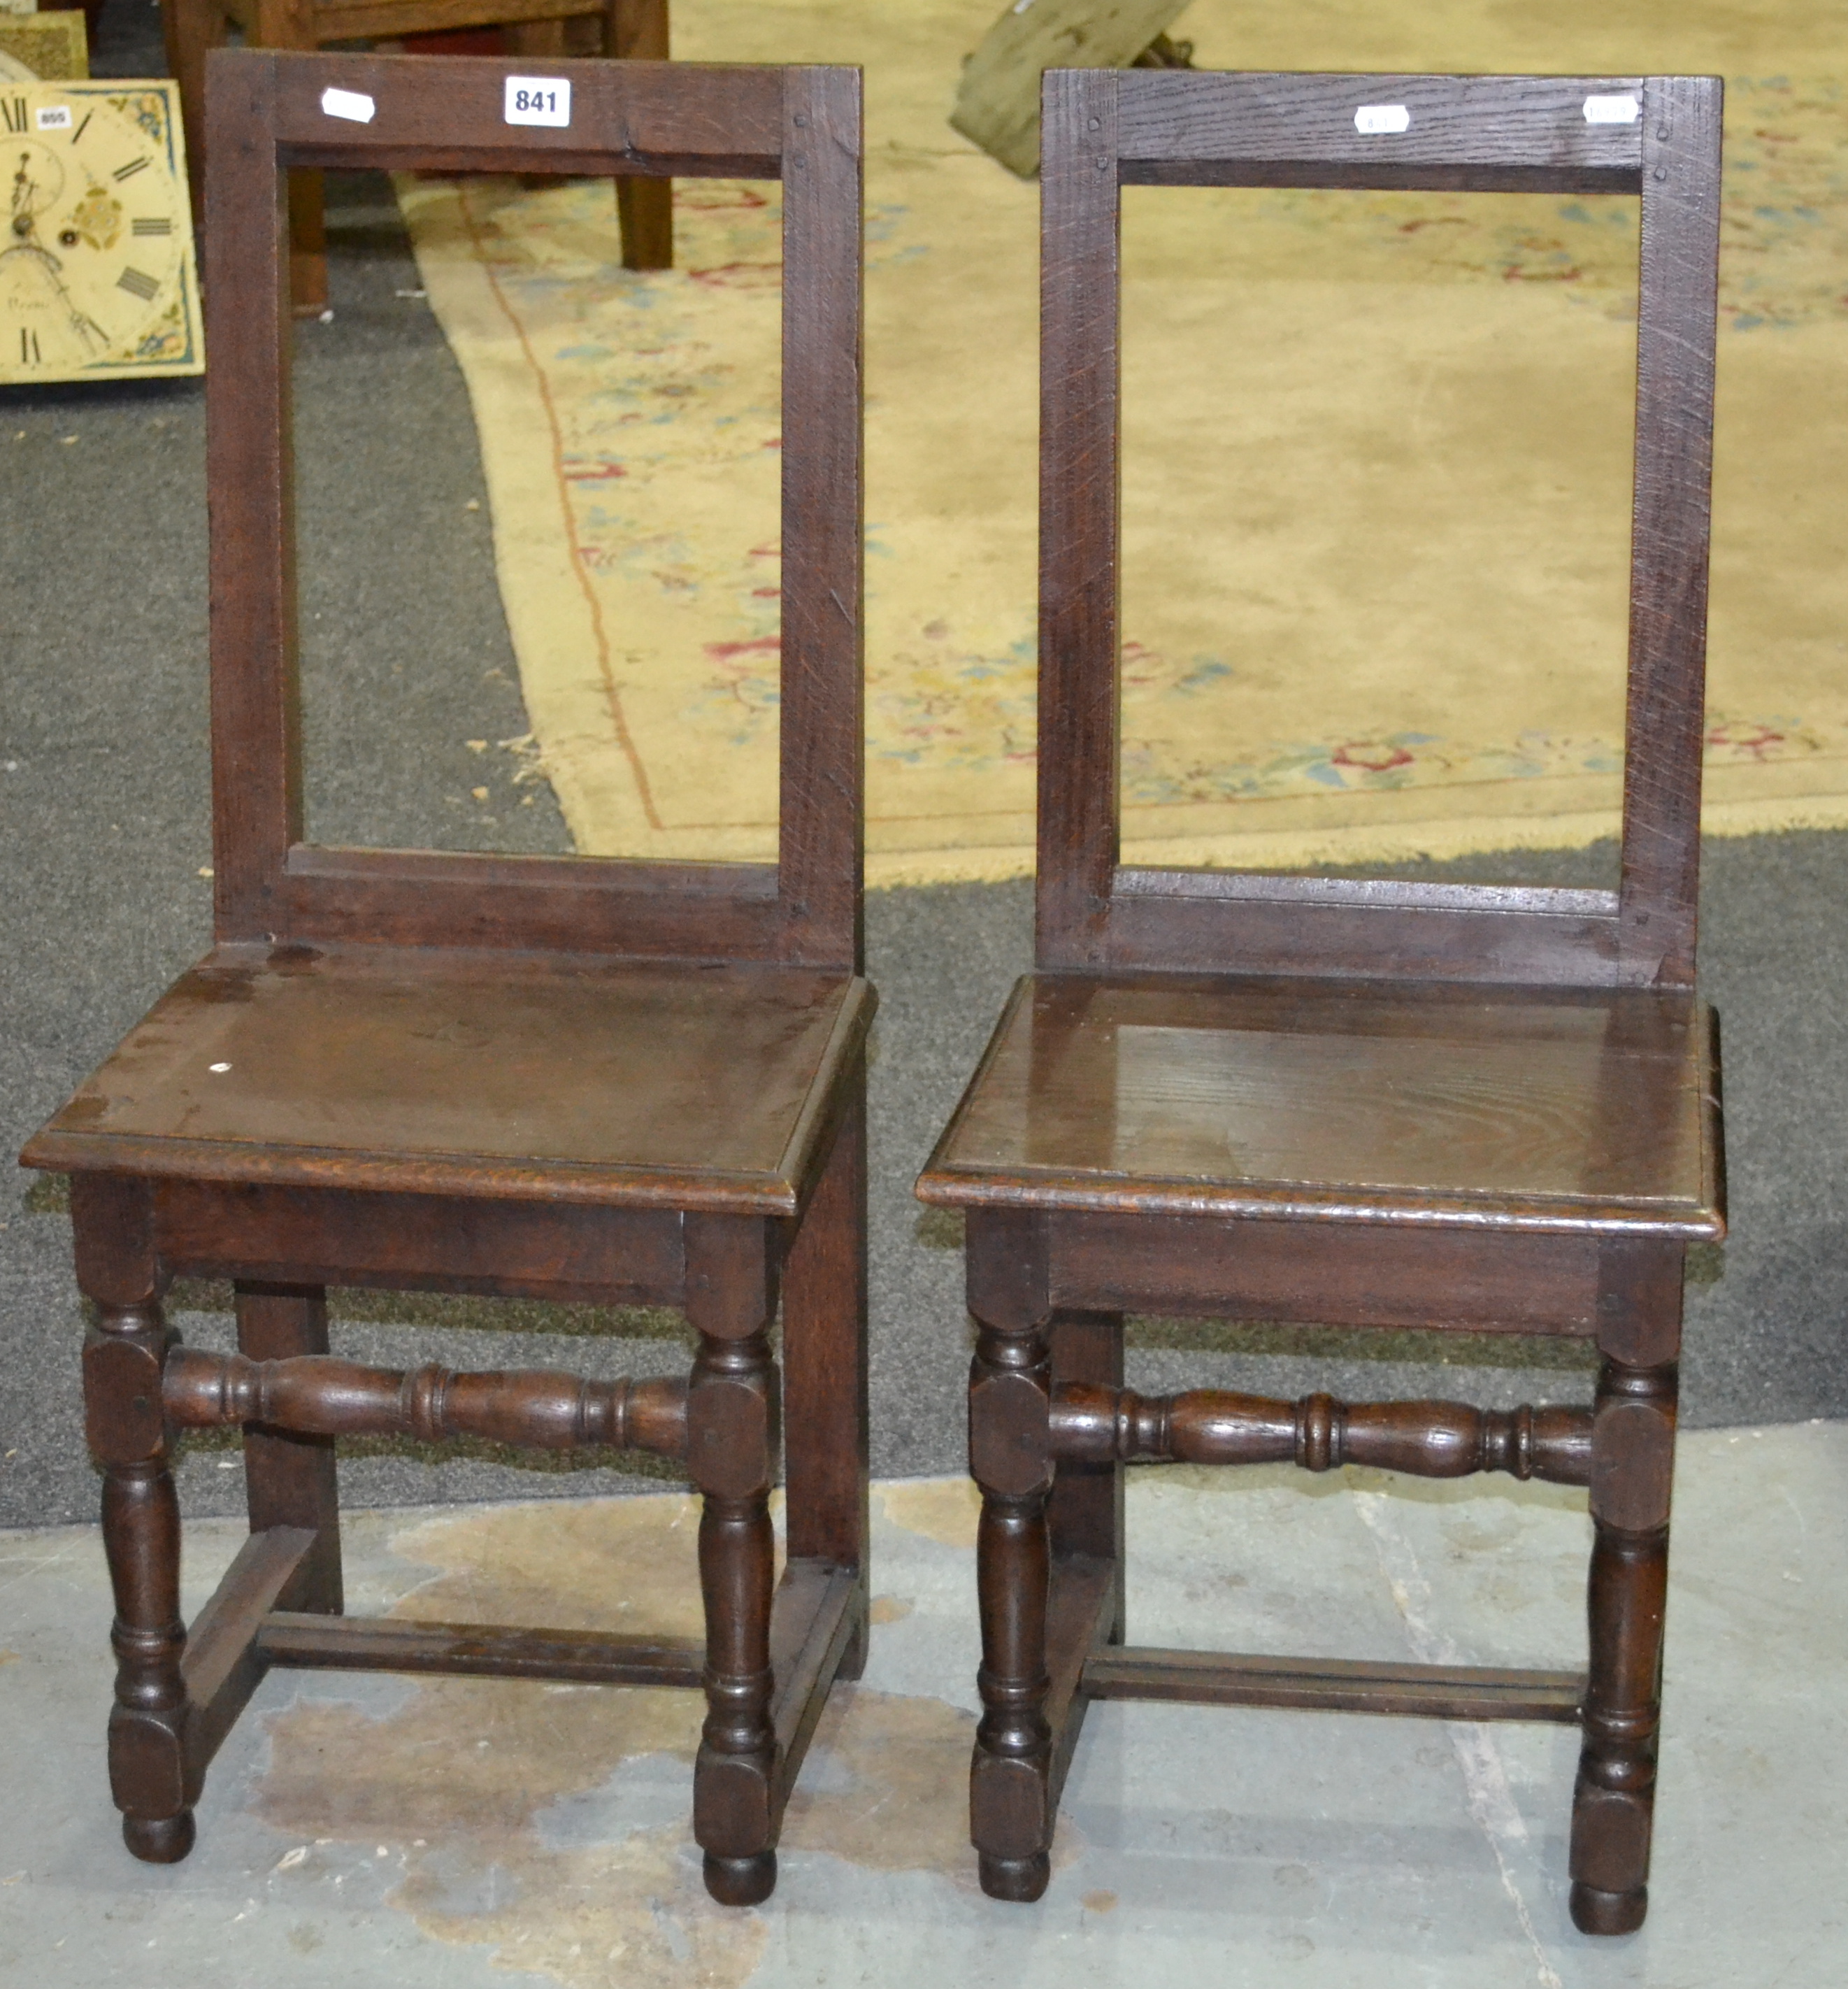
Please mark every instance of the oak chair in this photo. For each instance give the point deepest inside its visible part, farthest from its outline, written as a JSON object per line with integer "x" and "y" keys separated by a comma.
{"x": 606, "y": 1082}
{"x": 537, "y": 31}
{"x": 1356, "y": 1102}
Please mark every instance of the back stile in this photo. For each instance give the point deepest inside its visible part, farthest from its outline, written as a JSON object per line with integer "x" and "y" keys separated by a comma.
{"x": 1676, "y": 307}
{"x": 823, "y": 752}
{"x": 250, "y": 492}
{"x": 1079, "y": 515}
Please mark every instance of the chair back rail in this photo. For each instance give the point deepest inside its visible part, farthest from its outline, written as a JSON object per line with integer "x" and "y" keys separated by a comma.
{"x": 799, "y": 125}
{"x": 1104, "y": 128}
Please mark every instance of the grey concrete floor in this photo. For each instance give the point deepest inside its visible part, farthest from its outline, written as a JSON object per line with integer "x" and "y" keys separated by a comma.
{"x": 458, "y": 1832}
{"x": 103, "y": 838}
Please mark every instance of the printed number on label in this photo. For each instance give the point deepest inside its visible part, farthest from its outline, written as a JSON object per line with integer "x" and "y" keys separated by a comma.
{"x": 53, "y": 117}
{"x": 1612, "y": 109}
{"x": 1374, "y": 118}
{"x": 538, "y": 100}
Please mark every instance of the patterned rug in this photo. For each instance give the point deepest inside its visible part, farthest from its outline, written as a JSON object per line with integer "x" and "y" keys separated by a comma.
{"x": 1377, "y": 468}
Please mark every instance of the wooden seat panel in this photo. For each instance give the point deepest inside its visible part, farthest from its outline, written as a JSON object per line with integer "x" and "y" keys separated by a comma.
{"x": 606, "y": 1078}
{"x": 1219, "y": 1095}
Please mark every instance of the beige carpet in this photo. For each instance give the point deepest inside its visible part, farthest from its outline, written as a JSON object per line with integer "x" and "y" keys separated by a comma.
{"x": 1376, "y": 466}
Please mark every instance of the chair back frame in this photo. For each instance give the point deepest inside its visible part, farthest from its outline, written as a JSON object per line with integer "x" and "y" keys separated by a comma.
{"x": 1105, "y": 129}
{"x": 800, "y": 125}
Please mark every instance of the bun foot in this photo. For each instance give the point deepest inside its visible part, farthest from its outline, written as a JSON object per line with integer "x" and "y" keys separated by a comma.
{"x": 741, "y": 1881}
{"x": 159, "y": 1840}
{"x": 1594, "y": 1912}
{"x": 1019, "y": 1879}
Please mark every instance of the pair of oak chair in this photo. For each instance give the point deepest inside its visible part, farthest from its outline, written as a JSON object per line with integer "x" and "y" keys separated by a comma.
{"x": 1294, "y": 1098}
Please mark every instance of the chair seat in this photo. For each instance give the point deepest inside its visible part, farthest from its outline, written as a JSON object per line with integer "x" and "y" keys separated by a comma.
{"x": 576, "y": 1078}
{"x": 1585, "y": 1109}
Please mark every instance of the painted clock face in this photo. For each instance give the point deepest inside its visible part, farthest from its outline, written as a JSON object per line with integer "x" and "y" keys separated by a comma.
{"x": 95, "y": 238}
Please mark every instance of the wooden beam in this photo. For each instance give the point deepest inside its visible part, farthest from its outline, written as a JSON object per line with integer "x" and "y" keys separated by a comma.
{"x": 1081, "y": 1612}
{"x": 317, "y": 1394}
{"x": 478, "y": 1650}
{"x": 1334, "y": 1685}
{"x": 812, "y": 1619}
{"x": 379, "y": 20}
{"x": 1092, "y": 1422}
{"x": 224, "y": 1662}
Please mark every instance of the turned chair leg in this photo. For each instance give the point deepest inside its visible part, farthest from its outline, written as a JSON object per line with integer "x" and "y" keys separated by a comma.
{"x": 1009, "y": 1789}
{"x": 148, "y": 1771}
{"x": 732, "y": 1419}
{"x": 1613, "y": 1804}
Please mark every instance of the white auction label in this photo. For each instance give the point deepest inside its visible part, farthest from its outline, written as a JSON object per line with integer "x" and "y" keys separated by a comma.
{"x": 539, "y": 100}
{"x": 1373, "y": 118}
{"x": 354, "y": 105}
{"x": 53, "y": 117}
{"x": 1612, "y": 109}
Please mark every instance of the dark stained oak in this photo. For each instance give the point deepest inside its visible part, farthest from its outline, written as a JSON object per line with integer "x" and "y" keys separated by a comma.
{"x": 1262, "y": 1096}
{"x": 1009, "y": 1458}
{"x": 1092, "y": 1424}
{"x": 1365, "y": 1273}
{"x": 539, "y": 32}
{"x": 316, "y": 1395}
{"x": 223, "y": 1664}
{"x": 569, "y": 1078}
{"x": 573, "y": 1252}
{"x": 1356, "y": 1102}
{"x": 1633, "y": 1428}
{"x": 1664, "y": 729}
{"x": 1334, "y": 1684}
{"x": 290, "y": 1479}
{"x": 475, "y": 1650}
{"x": 603, "y": 1081}
{"x": 825, "y": 1384}
{"x": 1481, "y": 133}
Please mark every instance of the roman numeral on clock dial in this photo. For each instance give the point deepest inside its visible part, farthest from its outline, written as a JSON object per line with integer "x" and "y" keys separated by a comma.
{"x": 28, "y": 348}
{"x": 137, "y": 284}
{"x": 159, "y": 225}
{"x": 134, "y": 166}
{"x": 13, "y": 109}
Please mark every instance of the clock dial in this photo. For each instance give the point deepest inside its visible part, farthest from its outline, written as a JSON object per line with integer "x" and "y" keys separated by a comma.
{"x": 96, "y": 240}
